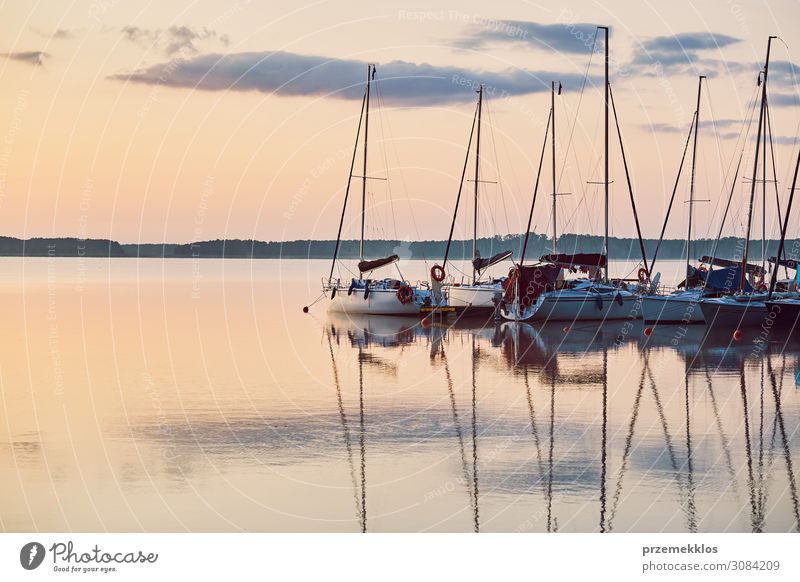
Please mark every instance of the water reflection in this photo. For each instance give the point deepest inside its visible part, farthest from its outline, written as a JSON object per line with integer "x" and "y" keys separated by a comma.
{"x": 555, "y": 360}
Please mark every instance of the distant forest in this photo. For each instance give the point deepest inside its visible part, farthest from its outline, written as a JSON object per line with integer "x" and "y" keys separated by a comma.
{"x": 620, "y": 248}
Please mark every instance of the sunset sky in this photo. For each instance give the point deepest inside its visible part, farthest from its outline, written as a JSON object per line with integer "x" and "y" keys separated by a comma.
{"x": 178, "y": 121}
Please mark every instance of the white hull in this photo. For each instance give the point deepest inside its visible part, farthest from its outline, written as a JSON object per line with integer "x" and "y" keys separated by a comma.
{"x": 578, "y": 305}
{"x": 378, "y": 302}
{"x": 473, "y": 296}
{"x": 682, "y": 307}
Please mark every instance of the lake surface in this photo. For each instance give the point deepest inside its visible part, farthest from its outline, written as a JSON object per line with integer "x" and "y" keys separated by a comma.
{"x": 151, "y": 395}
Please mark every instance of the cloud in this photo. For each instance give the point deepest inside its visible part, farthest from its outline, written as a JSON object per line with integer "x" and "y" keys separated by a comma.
{"x": 291, "y": 74}
{"x": 35, "y": 58}
{"x": 783, "y": 100}
{"x": 57, "y": 34}
{"x": 566, "y": 37}
{"x": 688, "y": 42}
{"x": 681, "y": 54}
{"x": 173, "y": 40}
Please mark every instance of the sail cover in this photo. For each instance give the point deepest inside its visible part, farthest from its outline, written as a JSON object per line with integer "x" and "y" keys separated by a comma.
{"x": 723, "y": 280}
{"x": 717, "y": 262}
{"x": 365, "y": 266}
{"x": 480, "y": 264}
{"x": 791, "y": 264}
{"x": 576, "y": 260}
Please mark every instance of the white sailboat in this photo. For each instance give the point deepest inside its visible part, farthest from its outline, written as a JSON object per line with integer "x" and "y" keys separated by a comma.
{"x": 540, "y": 292}
{"x": 747, "y": 308}
{"x": 364, "y": 295}
{"x": 480, "y": 296}
{"x": 682, "y": 305}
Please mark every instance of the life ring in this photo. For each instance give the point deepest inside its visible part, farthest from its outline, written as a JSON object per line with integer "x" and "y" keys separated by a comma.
{"x": 405, "y": 294}
{"x": 437, "y": 273}
{"x": 762, "y": 288}
{"x": 643, "y": 275}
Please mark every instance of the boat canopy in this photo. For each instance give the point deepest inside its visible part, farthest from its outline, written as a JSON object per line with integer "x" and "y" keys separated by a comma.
{"x": 789, "y": 263}
{"x": 366, "y": 266}
{"x": 480, "y": 264}
{"x": 717, "y": 262}
{"x": 576, "y": 260}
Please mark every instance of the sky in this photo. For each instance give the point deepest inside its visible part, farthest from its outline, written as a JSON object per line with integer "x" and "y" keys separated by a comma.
{"x": 181, "y": 121}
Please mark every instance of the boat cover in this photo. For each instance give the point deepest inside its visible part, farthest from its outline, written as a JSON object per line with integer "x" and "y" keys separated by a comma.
{"x": 576, "y": 260}
{"x": 791, "y": 264}
{"x": 724, "y": 280}
{"x": 531, "y": 280}
{"x": 365, "y": 266}
{"x": 480, "y": 264}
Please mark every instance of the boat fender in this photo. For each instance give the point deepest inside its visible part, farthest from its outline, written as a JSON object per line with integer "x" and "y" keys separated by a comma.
{"x": 352, "y": 286}
{"x": 619, "y": 299}
{"x": 333, "y": 292}
{"x": 366, "y": 289}
{"x": 599, "y": 302}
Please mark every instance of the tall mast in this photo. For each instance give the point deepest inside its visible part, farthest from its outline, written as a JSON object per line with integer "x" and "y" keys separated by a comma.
{"x": 370, "y": 74}
{"x": 691, "y": 179}
{"x": 755, "y": 168}
{"x": 774, "y": 278}
{"x": 477, "y": 177}
{"x": 605, "y": 157}
{"x": 553, "y": 116}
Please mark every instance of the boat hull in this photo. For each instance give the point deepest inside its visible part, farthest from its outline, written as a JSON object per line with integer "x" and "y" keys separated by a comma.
{"x": 378, "y": 302}
{"x": 785, "y": 313}
{"x": 474, "y": 299}
{"x": 679, "y": 308}
{"x": 569, "y": 305}
{"x": 726, "y": 313}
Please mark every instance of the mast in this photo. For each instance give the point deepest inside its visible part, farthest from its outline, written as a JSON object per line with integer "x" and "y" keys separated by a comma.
{"x": 553, "y": 116}
{"x": 774, "y": 278}
{"x": 535, "y": 191}
{"x": 605, "y": 156}
{"x": 477, "y": 177}
{"x": 370, "y": 75}
{"x": 755, "y": 168}
{"x": 692, "y": 176}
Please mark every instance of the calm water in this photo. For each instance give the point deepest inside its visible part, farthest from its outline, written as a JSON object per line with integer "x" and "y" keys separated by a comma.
{"x": 178, "y": 395}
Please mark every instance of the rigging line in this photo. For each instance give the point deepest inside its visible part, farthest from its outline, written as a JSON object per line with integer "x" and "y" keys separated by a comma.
{"x": 381, "y": 122}
{"x": 674, "y": 191}
{"x": 460, "y": 189}
{"x": 628, "y": 178}
{"x": 497, "y": 166}
{"x": 775, "y": 182}
{"x": 578, "y": 107}
{"x": 535, "y": 190}
{"x": 347, "y": 190}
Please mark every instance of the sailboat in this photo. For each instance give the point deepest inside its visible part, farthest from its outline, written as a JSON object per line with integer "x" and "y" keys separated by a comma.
{"x": 481, "y": 295}
{"x": 539, "y": 292}
{"x": 363, "y": 294}
{"x": 747, "y": 308}
{"x": 682, "y": 305}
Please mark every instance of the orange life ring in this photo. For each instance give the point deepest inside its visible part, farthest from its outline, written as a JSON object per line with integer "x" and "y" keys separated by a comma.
{"x": 437, "y": 273}
{"x": 405, "y": 294}
{"x": 761, "y": 288}
{"x": 643, "y": 275}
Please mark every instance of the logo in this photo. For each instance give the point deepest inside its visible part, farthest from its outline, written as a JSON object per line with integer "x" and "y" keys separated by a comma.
{"x": 31, "y": 555}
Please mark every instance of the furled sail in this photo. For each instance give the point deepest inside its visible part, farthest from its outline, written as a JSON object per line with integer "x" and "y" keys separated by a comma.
{"x": 480, "y": 264}
{"x": 576, "y": 260}
{"x": 751, "y": 268}
{"x": 366, "y": 266}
